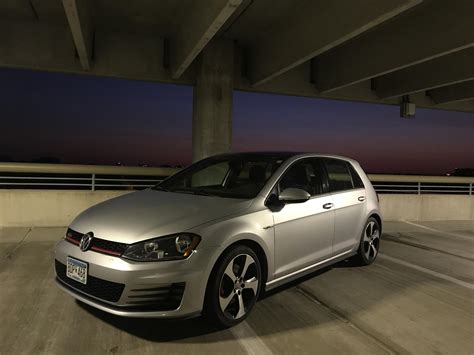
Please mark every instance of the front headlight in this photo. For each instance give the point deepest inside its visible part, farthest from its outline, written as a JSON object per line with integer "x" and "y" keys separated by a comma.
{"x": 173, "y": 247}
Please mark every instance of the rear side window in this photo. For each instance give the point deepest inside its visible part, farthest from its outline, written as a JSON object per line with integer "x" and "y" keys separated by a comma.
{"x": 339, "y": 177}
{"x": 356, "y": 180}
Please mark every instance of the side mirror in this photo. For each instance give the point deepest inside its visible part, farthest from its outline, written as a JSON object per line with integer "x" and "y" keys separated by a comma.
{"x": 294, "y": 195}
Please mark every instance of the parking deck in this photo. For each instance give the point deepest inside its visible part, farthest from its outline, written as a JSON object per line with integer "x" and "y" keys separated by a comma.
{"x": 418, "y": 297}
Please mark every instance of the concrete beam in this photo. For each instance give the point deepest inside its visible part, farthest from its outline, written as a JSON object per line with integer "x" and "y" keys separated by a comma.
{"x": 212, "y": 100}
{"x": 449, "y": 69}
{"x": 430, "y": 30}
{"x": 312, "y": 30}
{"x": 453, "y": 93}
{"x": 295, "y": 83}
{"x": 202, "y": 23}
{"x": 80, "y": 22}
{"x": 44, "y": 46}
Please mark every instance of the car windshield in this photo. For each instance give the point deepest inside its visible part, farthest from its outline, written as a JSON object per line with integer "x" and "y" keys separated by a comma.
{"x": 231, "y": 175}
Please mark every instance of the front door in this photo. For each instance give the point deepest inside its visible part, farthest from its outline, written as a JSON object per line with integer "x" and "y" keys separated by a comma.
{"x": 303, "y": 231}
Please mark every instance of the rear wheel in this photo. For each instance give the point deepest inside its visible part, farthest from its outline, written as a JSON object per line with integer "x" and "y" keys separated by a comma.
{"x": 369, "y": 243}
{"x": 234, "y": 286}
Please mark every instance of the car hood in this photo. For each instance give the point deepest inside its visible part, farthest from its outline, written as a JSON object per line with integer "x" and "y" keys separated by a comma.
{"x": 147, "y": 214}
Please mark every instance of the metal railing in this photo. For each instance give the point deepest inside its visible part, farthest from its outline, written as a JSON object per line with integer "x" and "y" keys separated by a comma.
{"x": 422, "y": 184}
{"x": 79, "y": 177}
{"x": 99, "y": 177}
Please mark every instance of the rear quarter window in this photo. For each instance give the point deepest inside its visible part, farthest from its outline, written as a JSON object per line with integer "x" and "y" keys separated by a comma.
{"x": 356, "y": 180}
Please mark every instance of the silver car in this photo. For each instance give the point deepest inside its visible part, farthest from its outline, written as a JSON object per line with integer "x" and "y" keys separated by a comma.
{"x": 211, "y": 238}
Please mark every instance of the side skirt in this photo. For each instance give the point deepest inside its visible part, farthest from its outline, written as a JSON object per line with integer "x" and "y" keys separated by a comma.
{"x": 308, "y": 269}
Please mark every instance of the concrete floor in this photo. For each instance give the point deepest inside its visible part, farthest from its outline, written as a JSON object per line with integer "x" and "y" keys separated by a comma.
{"x": 417, "y": 298}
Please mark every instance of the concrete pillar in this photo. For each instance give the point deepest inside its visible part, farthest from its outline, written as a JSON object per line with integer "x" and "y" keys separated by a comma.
{"x": 212, "y": 99}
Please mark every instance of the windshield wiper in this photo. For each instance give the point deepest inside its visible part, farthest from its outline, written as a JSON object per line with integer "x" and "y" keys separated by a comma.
{"x": 160, "y": 188}
{"x": 193, "y": 192}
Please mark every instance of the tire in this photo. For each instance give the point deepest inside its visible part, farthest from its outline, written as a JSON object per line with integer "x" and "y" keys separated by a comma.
{"x": 369, "y": 243}
{"x": 231, "y": 295}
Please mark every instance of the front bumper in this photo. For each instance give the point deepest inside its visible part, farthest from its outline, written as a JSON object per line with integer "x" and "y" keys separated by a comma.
{"x": 137, "y": 289}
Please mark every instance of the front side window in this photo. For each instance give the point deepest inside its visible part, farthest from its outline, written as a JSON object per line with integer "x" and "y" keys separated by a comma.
{"x": 304, "y": 174}
{"x": 339, "y": 178}
{"x": 232, "y": 175}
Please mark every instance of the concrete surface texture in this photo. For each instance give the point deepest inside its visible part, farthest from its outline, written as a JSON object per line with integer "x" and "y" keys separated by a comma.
{"x": 416, "y": 298}
{"x": 212, "y": 101}
{"x": 434, "y": 207}
{"x": 43, "y": 208}
{"x": 25, "y": 208}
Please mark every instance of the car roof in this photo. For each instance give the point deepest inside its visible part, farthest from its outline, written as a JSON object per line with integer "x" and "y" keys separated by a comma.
{"x": 285, "y": 155}
{"x": 265, "y": 154}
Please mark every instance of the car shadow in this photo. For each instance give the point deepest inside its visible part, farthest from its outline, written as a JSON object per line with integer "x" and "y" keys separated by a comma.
{"x": 285, "y": 308}
{"x": 168, "y": 330}
{"x": 156, "y": 330}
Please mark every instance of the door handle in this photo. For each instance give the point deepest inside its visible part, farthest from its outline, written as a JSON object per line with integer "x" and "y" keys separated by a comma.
{"x": 361, "y": 198}
{"x": 327, "y": 206}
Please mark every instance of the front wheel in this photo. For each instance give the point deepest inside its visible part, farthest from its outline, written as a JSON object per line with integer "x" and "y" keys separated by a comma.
{"x": 369, "y": 243}
{"x": 234, "y": 286}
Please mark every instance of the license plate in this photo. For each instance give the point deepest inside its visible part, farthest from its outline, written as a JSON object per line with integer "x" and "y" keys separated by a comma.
{"x": 76, "y": 270}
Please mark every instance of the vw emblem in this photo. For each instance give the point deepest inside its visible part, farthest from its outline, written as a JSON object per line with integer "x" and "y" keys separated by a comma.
{"x": 85, "y": 242}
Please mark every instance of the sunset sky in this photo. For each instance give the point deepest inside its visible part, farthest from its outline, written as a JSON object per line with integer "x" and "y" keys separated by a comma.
{"x": 81, "y": 119}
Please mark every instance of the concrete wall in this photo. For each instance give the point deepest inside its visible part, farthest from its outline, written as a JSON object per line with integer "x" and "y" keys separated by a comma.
{"x": 45, "y": 208}
{"x": 29, "y": 208}
{"x": 427, "y": 207}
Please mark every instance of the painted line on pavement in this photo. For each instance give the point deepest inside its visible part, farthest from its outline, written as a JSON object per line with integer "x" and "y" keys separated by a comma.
{"x": 439, "y": 231}
{"x": 249, "y": 340}
{"x": 428, "y": 271}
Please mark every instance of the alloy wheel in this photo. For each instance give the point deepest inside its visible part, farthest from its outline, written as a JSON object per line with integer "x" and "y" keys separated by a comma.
{"x": 239, "y": 286}
{"x": 371, "y": 240}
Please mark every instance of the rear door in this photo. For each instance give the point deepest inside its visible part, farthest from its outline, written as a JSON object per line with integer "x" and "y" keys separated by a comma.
{"x": 349, "y": 200}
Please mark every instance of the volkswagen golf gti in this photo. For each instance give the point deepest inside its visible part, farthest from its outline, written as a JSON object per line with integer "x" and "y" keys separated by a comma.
{"x": 214, "y": 236}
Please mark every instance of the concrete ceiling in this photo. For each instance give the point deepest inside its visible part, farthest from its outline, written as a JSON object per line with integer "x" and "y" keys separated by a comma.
{"x": 363, "y": 50}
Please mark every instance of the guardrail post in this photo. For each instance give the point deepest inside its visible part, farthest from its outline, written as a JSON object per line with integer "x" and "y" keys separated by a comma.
{"x": 470, "y": 189}
{"x": 419, "y": 188}
{"x": 93, "y": 182}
